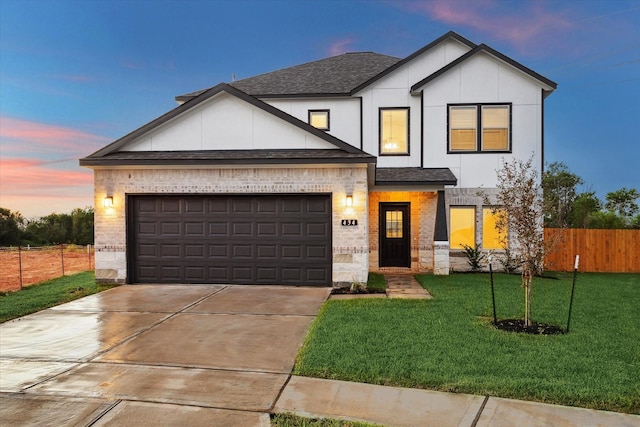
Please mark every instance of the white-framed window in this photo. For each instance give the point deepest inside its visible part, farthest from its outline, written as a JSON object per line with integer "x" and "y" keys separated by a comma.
{"x": 475, "y": 128}
{"x": 319, "y": 119}
{"x": 394, "y": 131}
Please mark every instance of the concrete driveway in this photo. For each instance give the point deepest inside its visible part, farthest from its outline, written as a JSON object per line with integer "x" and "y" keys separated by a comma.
{"x": 155, "y": 355}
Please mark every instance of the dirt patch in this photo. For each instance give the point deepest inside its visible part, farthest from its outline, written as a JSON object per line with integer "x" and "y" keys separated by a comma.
{"x": 517, "y": 325}
{"x": 40, "y": 264}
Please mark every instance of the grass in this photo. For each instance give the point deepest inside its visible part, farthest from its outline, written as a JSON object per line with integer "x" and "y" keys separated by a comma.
{"x": 448, "y": 343}
{"x": 48, "y": 294}
{"x": 290, "y": 420}
{"x": 376, "y": 282}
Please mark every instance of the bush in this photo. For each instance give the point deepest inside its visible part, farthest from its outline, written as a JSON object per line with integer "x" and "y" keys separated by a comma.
{"x": 475, "y": 257}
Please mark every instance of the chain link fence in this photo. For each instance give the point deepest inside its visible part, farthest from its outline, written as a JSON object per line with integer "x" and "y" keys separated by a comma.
{"x": 24, "y": 266}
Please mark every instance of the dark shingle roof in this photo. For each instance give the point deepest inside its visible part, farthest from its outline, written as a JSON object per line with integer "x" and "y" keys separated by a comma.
{"x": 227, "y": 157}
{"x": 415, "y": 176}
{"x": 336, "y": 75}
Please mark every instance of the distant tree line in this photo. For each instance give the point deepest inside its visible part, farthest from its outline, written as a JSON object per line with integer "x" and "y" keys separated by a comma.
{"x": 566, "y": 207}
{"x": 75, "y": 227}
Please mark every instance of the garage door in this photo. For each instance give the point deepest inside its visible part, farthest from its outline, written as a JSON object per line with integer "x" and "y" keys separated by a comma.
{"x": 283, "y": 239}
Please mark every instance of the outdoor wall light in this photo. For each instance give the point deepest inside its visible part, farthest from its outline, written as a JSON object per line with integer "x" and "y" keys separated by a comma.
{"x": 108, "y": 202}
{"x": 349, "y": 201}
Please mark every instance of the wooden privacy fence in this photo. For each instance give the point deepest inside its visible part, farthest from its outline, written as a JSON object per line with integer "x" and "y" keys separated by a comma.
{"x": 606, "y": 251}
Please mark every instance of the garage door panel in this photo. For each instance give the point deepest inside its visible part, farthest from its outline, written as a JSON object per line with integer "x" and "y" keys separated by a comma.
{"x": 220, "y": 251}
{"x": 267, "y": 251}
{"x": 266, "y": 206}
{"x": 147, "y": 228}
{"x": 242, "y": 229}
{"x": 316, "y": 275}
{"x": 317, "y": 229}
{"x": 194, "y": 206}
{"x": 319, "y": 252}
{"x": 242, "y": 251}
{"x": 259, "y": 239}
{"x": 147, "y": 250}
{"x": 219, "y": 205}
{"x": 170, "y": 206}
{"x": 266, "y": 229}
{"x": 292, "y": 206}
{"x": 170, "y": 251}
{"x": 291, "y": 229}
{"x": 194, "y": 251}
{"x": 318, "y": 206}
{"x": 242, "y": 206}
{"x": 218, "y": 229}
{"x": 195, "y": 274}
{"x": 170, "y": 228}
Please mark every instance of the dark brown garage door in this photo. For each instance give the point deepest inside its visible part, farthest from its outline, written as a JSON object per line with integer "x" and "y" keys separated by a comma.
{"x": 237, "y": 239}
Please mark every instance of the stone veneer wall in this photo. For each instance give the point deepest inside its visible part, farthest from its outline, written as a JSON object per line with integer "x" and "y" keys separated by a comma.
{"x": 423, "y": 220}
{"x": 350, "y": 244}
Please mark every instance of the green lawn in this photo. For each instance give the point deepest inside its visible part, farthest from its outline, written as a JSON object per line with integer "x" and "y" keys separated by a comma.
{"x": 449, "y": 344}
{"x": 290, "y": 420}
{"x": 47, "y": 294}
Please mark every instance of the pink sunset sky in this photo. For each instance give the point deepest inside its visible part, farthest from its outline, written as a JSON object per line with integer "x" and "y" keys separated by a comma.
{"x": 74, "y": 76}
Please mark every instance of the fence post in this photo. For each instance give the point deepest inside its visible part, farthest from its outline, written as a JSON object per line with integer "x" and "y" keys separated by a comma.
{"x": 62, "y": 257}
{"x": 89, "y": 254}
{"x": 573, "y": 287}
{"x": 20, "y": 263}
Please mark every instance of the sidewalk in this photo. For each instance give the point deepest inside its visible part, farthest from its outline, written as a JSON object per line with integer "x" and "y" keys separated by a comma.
{"x": 405, "y": 407}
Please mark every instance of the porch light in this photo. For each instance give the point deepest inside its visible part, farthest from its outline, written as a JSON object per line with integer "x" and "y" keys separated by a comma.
{"x": 108, "y": 202}
{"x": 349, "y": 201}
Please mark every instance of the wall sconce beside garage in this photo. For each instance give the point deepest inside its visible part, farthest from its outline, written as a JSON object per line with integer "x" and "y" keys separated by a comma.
{"x": 349, "y": 201}
{"x": 108, "y": 202}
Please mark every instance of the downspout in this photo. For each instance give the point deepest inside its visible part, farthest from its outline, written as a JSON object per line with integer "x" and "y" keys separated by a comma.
{"x": 422, "y": 129}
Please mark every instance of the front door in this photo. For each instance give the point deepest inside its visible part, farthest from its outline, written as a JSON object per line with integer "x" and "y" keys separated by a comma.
{"x": 395, "y": 236}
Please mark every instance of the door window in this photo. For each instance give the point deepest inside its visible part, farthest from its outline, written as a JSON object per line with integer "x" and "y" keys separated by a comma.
{"x": 394, "y": 225}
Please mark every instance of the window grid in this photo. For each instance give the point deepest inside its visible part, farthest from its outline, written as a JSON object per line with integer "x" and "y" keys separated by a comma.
{"x": 478, "y": 128}
{"x": 394, "y": 224}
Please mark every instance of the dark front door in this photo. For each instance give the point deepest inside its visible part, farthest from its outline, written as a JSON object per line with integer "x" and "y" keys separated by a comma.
{"x": 395, "y": 236}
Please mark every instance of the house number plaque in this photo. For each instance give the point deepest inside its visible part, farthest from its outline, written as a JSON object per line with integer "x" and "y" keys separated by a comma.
{"x": 349, "y": 222}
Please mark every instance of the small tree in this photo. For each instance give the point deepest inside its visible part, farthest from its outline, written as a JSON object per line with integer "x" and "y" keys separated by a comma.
{"x": 519, "y": 209}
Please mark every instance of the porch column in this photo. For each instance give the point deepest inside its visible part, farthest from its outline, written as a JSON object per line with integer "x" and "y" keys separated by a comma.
{"x": 441, "y": 239}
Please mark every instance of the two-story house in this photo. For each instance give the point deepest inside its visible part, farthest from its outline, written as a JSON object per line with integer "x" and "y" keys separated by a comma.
{"x": 319, "y": 173}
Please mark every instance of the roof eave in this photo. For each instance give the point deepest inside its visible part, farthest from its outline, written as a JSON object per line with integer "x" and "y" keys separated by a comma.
{"x": 416, "y": 183}
{"x": 102, "y": 162}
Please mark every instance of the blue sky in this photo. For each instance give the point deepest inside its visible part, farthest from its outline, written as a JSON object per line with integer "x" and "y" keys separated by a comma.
{"x": 75, "y": 75}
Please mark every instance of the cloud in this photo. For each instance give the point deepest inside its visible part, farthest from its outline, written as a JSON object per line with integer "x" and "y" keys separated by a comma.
{"x": 19, "y": 136}
{"x": 24, "y": 176}
{"x": 528, "y": 27}
{"x": 36, "y": 188}
{"x": 339, "y": 47}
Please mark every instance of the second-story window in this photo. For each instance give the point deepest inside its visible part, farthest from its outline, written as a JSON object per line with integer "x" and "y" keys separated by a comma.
{"x": 479, "y": 128}
{"x": 319, "y": 119}
{"x": 394, "y": 131}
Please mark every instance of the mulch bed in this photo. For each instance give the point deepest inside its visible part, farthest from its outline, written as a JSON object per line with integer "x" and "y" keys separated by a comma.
{"x": 347, "y": 291}
{"x": 517, "y": 325}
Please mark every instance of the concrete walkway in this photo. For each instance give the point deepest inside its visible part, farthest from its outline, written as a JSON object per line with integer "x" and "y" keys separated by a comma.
{"x": 405, "y": 286}
{"x": 212, "y": 355}
{"x": 398, "y": 286}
